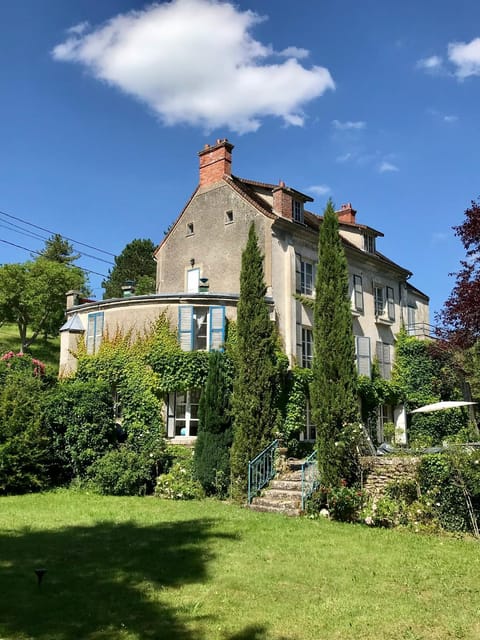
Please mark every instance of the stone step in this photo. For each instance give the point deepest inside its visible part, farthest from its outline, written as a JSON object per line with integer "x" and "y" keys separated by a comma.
{"x": 279, "y": 503}
{"x": 274, "y": 493}
{"x": 286, "y": 511}
{"x": 280, "y": 483}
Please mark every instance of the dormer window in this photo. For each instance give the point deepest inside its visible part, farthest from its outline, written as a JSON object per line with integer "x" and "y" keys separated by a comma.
{"x": 297, "y": 211}
{"x": 369, "y": 243}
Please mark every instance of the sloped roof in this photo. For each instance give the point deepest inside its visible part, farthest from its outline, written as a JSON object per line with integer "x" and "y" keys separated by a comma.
{"x": 73, "y": 324}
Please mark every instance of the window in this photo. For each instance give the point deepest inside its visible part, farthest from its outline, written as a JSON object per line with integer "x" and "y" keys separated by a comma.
{"x": 384, "y": 416}
{"x": 379, "y": 299}
{"x": 310, "y": 431}
{"x": 228, "y": 217}
{"x": 362, "y": 349}
{"x": 182, "y": 413}
{"x": 201, "y": 328}
{"x": 94, "y": 331}
{"x": 297, "y": 211}
{"x": 193, "y": 280}
{"x": 411, "y": 320}
{"x": 305, "y": 276}
{"x": 307, "y": 348}
{"x": 190, "y": 229}
{"x": 369, "y": 243}
{"x": 384, "y": 357}
{"x": 357, "y": 293}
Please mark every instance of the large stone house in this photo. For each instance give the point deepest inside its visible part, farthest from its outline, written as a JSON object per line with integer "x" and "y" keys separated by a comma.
{"x": 198, "y": 268}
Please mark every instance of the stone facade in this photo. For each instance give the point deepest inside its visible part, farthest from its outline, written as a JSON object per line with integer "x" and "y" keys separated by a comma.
{"x": 380, "y": 471}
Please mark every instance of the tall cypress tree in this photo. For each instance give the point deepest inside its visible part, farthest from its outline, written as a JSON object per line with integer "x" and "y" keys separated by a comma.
{"x": 212, "y": 448}
{"x": 254, "y": 391}
{"x": 333, "y": 391}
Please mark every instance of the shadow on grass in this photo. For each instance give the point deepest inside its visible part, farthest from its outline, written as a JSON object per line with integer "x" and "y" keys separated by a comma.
{"x": 103, "y": 582}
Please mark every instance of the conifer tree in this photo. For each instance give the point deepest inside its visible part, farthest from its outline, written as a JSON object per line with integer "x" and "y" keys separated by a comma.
{"x": 254, "y": 391}
{"x": 212, "y": 448}
{"x": 333, "y": 391}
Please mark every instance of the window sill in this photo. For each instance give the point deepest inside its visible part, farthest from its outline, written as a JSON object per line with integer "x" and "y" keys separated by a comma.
{"x": 355, "y": 313}
{"x": 381, "y": 320}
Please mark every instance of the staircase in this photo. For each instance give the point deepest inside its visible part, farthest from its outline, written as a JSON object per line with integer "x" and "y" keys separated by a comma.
{"x": 284, "y": 493}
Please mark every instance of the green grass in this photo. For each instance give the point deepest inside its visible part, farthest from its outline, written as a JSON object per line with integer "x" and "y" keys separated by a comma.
{"x": 46, "y": 351}
{"x": 133, "y": 568}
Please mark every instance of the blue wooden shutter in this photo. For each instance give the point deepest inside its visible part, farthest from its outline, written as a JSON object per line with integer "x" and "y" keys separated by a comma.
{"x": 185, "y": 327}
{"x": 217, "y": 328}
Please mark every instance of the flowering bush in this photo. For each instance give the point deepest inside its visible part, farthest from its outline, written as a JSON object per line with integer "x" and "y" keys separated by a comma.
{"x": 20, "y": 361}
{"x": 178, "y": 483}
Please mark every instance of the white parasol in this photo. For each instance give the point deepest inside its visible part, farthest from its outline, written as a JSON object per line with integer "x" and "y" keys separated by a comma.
{"x": 445, "y": 404}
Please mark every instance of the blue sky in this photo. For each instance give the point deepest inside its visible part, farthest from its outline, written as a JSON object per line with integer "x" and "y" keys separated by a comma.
{"x": 104, "y": 106}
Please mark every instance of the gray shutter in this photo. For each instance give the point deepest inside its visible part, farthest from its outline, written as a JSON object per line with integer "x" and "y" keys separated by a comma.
{"x": 217, "y": 328}
{"x": 185, "y": 327}
{"x": 298, "y": 273}
{"x": 363, "y": 356}
{"x": 390, "y": 303}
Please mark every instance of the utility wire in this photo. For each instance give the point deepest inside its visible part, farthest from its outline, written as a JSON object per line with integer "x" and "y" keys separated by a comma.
{"x": 31, "y": 224}
{"x": 38, "y": 254}
{"x": 32, "y": 234}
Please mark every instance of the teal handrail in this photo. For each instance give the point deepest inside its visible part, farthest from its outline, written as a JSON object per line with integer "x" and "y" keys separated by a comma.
{"x": 261, "y": 470}
{"x": 310, "y": 477}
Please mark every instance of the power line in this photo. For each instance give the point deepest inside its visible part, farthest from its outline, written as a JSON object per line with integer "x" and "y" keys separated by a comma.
{"x": 68, "y": 265}
{"x": 31, "y": 234}
{"x": 31, "y": 224}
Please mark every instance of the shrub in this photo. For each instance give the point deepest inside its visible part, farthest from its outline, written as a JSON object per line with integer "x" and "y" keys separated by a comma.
{"x": 343, "y": 503}
{"x": 178, "y": 482}
{"x": 24, "y": 443}
{"x": 79, "y": 418}
{"x": 121, "y": 473}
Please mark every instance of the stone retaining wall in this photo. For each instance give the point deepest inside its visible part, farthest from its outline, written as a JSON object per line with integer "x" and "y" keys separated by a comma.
{"x": 379, "y": 471}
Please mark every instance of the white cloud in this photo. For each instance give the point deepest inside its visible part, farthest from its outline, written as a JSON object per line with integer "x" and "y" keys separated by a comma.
{"x": 345, "y": 157}
{"x": 79, "y": 28}
{"x": 386, "y": 166}
{"x": 343, "y": 126}
{"x": 450, "y": 119}
{"x": 432, "y": 63}
{"x": 444, "y": 117}
{"x": 466, "y": 57}
{"x": 295, "y": 52}
{"x": 196, "y": 62}
{"x": 319, "y": 189}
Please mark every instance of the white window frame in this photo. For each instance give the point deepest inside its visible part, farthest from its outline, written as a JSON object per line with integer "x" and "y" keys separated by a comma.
{"x": 187, "y": 424}
{"x": 369, "y": 243}
{"x": 201, "y": 328}
{"x": 297, "y": 211}
{"x": 193, "y": 280}
{"x": 307, "y": 277}
{"x": 95, "y": 324}
{"x": 307, "y": 347}
{"x": 309, "y": 433}
{"x": 379, "y": 300}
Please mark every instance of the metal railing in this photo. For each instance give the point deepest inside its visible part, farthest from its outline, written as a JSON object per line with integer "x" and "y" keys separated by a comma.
{"x": 261, "y": 470}
{"x": 310, "y": 477}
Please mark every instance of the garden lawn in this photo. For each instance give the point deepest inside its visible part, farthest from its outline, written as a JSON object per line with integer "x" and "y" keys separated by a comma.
{"x": 140, "y": 568}
{"x": 48, "y": 351}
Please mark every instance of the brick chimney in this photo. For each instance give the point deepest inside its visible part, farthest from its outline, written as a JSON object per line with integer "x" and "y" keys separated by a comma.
{"x": 346, "y": 213}
{"x": 282, "y": 201}
{"x": 215, "y": 162}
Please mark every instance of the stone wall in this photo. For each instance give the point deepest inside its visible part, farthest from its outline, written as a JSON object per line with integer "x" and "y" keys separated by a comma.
{"x": 380, "y": 471}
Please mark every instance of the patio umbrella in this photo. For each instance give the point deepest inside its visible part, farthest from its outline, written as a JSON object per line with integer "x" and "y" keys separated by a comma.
{"x": 445, "y": 404}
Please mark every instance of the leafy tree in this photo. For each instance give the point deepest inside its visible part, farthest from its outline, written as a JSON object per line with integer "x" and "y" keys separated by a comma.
{"x": 333, "y": 391}
{"x": 58, "y": 249}
{"x": 136, "y": 264}
{"x": 254, "y": 398}
{"x": 212, "y": 448}
{"x": 460, "y": 316}
{"x": 32, "y": 296}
